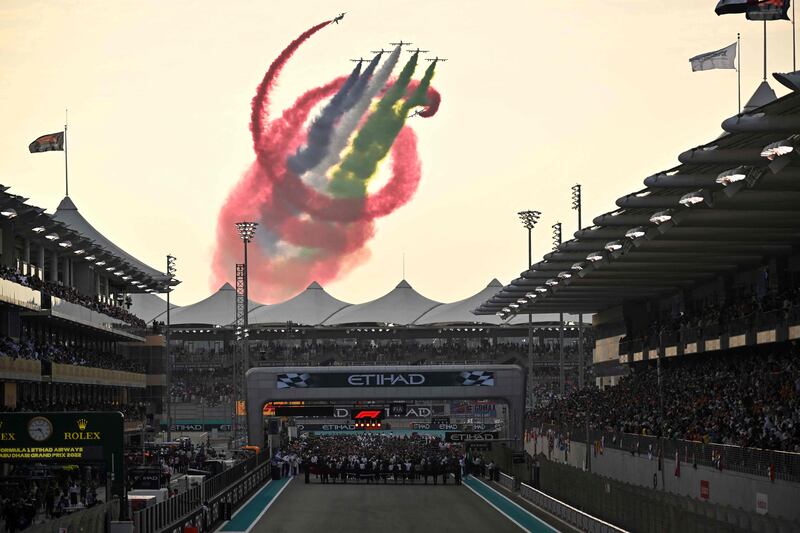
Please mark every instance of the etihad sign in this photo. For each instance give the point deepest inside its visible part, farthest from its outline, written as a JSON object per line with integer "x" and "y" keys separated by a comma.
{"x": 82, "y": 434}
{"x": 385, "y": 380}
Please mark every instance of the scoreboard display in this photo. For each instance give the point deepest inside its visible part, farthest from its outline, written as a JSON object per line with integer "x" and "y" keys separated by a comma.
{"x": 368, "y": 418}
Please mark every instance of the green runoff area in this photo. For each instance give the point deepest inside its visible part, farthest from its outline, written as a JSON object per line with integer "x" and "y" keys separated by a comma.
{"x": 75, "y": 438}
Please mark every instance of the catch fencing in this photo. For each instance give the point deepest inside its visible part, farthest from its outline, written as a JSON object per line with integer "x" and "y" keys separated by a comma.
{"x": 220, "y": 494}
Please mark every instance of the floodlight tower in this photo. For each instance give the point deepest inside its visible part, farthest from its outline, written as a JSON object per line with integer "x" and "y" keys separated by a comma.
{"x": 171, "y": 271}
{"x": 246, "y": 232}
{"x": 561, "y": 377}
{"x": 576, "y": 205}
{"x": 529, "y": 220}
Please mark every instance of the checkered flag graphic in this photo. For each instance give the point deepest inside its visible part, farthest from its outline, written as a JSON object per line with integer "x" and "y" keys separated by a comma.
{"x": 478, "y": 378}
{"x": 293, "y": 380}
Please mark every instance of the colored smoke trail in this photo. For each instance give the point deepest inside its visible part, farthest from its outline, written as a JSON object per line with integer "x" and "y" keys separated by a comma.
{"x": 306, "y": 233}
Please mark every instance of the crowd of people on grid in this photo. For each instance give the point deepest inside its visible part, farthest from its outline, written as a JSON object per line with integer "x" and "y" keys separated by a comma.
{"x": 72, "y": 295}
{"x": 747, "y": 399}
{"x": 30, "y": 497}
{"x": 64, "y": 354}
{"x": 378, "y": 458}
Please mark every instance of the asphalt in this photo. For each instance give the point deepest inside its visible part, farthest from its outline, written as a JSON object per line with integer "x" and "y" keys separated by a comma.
{"x": 382, "y": 509}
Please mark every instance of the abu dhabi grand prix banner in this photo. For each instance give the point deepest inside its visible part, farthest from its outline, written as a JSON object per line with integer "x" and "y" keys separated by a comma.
{"x": 469, "y": 378}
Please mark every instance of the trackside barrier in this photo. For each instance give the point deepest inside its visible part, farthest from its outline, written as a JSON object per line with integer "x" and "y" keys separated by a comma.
{"x": 567, "y": 513}
{"x": 507, "y": 481}
{"x": 221, "y": 492}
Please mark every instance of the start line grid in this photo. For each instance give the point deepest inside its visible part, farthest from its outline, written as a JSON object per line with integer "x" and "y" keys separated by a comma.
{"x": 254, "y": 509}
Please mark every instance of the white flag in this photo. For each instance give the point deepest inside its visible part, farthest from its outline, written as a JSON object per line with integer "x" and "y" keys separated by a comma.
{"x": 724, "y": 58}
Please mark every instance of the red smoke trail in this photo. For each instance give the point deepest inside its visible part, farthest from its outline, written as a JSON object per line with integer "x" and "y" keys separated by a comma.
{"x": 323, "y": 236}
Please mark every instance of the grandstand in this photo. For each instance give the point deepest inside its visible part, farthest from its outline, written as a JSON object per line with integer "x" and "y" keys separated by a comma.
{"x": 693, "y": 282}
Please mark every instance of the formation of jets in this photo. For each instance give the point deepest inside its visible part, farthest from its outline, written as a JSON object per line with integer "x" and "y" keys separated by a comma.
{"x": 437, "y": 59}
{"x": 381, "y": 51}
{"x": 359, "y": 60}
{"x": 418, "y": 51}
{"x": 340, "y": 17}
{"x": 401, "y": 43}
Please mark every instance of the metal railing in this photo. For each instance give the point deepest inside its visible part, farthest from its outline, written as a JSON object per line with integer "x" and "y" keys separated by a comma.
{"x": 230, "y": 486}
{"x": 507, "y": 481}
{"x": 567, "y": 513}
{"x": 754, "y": 461}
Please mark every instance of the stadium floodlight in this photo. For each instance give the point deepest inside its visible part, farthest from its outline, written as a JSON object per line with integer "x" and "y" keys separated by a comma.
{"x": 171, "y": 270}
{"x": 65, "y": 244}
{"x": 529, "y": 218}
{"x": 564, "y": 275}
{"x": 551, "y": 282}
{"x": 635, "y": 233}
{"x": 531, "y": 295}
{"x": 732, "y": 175}
{"x": 692, "y": 198}
{"x": 577, "y": 267}
{"x": 595, "y": 256}
{"x": 514, "y": 306}
{"x": 541, "y": 289}
{"x": 246, "y": 230}
{"x": 613, "y": 246}
{"x": 90, "y": 258}
{"x": 556, "y": 235}
{"x": 100, "y": 263}
{"x": 8, "y": 213}
{"x": 79, "y": 251}
{"x": 38, "y": 229}
{"x": 779, "y": 148}
{"x": 659, "y": 217}
{"x": 51, "y": 236}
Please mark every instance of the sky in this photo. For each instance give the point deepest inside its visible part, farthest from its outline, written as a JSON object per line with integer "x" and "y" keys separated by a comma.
{"x": 536, "y": 96}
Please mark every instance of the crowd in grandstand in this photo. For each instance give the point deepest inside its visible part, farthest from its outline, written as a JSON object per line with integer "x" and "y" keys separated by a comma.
{"x": 741, "y": 312}
{"x": 372, "y": 458}
{"x": 131, "y": 411}
{"x": 68, "y": 355}
{"x": 72, "y": 295}
{"x": 212, "y": 386}
{"x": 743, "y": 399}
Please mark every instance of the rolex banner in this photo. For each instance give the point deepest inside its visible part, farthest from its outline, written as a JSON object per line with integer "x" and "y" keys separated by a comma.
{"x": 302, "y": 380}
{"x": 48, "y": 143}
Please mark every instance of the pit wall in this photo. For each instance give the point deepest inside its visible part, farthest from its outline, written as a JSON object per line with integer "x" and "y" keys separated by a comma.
{"x": 701, "y": 485}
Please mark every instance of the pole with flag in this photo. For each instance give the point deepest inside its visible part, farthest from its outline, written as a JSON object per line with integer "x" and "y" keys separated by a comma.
{"x": 54, "y": 142}
{"x": 724, "y": 58}
{"x": 66, "y": 163}
{"x": 739, "y": 69}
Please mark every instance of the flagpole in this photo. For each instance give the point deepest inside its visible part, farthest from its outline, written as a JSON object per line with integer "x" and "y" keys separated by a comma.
{"x": 765, "y": 50}
{"x": 794, "y": 42}
{"x": 739, "y": 68}
{"x": 66, "y": 165}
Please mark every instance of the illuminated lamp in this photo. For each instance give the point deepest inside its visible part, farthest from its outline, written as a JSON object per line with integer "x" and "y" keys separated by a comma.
{"x": 732, "y": 176}
{"x": 635, "y": 233}
{"x": 613, "y": 246}
{"x": 595, "y": 256}
{"x": 660, "y": 217}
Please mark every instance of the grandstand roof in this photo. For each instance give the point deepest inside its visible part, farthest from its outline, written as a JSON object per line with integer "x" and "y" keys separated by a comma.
{"x": 309, "y": 308}
{"x": 401, "y": 306}
{"x": 150, "y": 307}
{"x": 717, "y": 228}
{"x": 219, "y": 309}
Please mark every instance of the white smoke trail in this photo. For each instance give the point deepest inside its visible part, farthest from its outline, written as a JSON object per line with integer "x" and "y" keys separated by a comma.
{"x": 316, "y": 177}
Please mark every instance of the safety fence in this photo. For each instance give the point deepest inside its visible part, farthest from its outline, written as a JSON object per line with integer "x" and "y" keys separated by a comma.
{"x": 207, "y": 503}
{"x": 755, "y": 461}
{"x": 567, "y": 513}
{"x": 507, "y": 481}
{"x": 92, "y": 519}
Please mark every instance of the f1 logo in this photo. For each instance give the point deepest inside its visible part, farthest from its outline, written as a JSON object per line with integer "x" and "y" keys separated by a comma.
{"x": 367, "y": 414}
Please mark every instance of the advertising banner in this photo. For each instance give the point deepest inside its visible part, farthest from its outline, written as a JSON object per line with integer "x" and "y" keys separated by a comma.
{"x": 476, "y": 378}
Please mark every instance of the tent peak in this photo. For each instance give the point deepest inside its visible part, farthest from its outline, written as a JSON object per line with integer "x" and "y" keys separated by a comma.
{"x": 226, "y": 287}
{"x": 494, "y": 283}
{"x": 403, "y": 285}
{"x": 66, "y": 205}
{"x": 314, "y": 285}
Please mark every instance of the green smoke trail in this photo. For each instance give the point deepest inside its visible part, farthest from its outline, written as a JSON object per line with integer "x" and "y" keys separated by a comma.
{"x": 375, "y": 138}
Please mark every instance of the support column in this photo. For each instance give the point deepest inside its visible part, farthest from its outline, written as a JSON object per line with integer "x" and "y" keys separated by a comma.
{"x": 40, "y": 262}
{"x": 26, "y": 257}
{"x": 53, "y": 276}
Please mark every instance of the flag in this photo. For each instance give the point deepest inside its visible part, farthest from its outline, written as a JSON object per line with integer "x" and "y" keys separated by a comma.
{"x": 48, "y": 143}
{"x": 722, "y": 58}
{"x": 769, "y": 10}
{"x": 755, "y": 9}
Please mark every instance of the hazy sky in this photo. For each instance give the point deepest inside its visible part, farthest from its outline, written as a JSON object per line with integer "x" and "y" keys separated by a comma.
{"x": 537, "y": 95}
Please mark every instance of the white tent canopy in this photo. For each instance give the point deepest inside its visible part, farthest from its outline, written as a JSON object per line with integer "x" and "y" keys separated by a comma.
{"x": 149, "y": 307}
{"x": 309, "y": 308}
{"x": 401, "y": 306}
{"x": 219, "y": 309}
{"x": 460, "y": 312}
